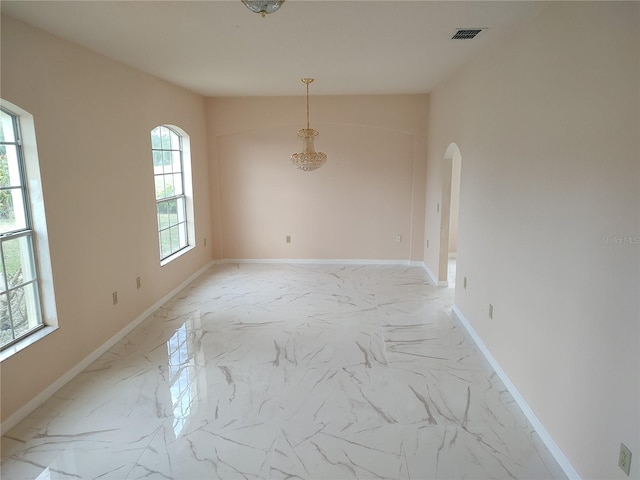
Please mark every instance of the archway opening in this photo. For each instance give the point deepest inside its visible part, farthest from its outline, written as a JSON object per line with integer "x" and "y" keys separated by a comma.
{"x": 449, "y": 208}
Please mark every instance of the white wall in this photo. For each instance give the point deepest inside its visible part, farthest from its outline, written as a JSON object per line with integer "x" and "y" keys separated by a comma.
{"x": 548, "y": 127}
{"x": 370, "y": 190}
{"x": 93, "y": 119}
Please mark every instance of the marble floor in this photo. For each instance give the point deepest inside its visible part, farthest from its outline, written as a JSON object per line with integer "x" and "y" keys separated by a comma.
{"x": 286, "y": 372}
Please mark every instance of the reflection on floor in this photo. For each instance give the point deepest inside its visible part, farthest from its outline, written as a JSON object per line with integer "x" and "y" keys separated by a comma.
{"x": 280, "y": 371}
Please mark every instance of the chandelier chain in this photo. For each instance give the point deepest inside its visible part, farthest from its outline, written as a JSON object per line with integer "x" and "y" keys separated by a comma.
{"x": 307, "y": 106}
{"x": 308, "y": 160}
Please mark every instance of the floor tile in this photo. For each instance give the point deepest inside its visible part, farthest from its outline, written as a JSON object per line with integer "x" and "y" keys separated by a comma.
{"x": 281, "y": 372}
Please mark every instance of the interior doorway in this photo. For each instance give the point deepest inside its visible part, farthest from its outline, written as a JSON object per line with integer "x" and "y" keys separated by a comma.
{"x": 449, "y": 210}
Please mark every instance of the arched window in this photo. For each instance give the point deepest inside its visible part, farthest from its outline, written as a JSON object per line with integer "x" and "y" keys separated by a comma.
{"x": 172, "y": 175}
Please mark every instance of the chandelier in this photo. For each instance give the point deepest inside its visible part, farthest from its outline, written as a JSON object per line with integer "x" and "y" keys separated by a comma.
{"x": 308, "y": 160}
{"x": 263, "y": 7}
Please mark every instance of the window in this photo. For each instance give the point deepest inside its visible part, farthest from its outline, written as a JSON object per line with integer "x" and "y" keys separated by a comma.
{"x": 20, "y": 309}
{"x": 172, "y": 184}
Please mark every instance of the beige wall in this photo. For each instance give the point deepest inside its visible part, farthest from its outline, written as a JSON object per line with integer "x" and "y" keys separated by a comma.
{"x": 370, "y": 190}
{"x": 548, "y": 127}
{"x": 93, "y": 119}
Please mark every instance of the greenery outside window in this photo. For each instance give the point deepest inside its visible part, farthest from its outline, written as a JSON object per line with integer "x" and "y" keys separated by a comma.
{"x": 20, "y": 310}
{"x": 171, "y": 200}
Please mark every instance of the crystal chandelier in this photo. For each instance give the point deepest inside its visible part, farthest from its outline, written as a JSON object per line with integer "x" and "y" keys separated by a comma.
{"x": 263, "y": 7}
{"x": 308, "y": 160}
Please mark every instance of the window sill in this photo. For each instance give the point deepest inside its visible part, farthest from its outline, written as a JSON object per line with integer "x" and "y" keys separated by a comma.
{"x": 26, "y": 342}
{"x": 179, "y": 253}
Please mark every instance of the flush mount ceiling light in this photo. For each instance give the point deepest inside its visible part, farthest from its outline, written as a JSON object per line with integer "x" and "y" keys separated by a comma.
{"x": 263, "y": 7}
{"x": 308, "y": 160}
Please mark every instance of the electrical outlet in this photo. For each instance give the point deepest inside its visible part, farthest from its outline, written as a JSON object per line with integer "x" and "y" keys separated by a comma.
{"x": 138, "y": 283}
{"x": 490, "y": 311}
{"x": 114, "y": 296}
{"x": 287, "y": 239}
{"x": 464, "y": 282}
{"x": 427, "y": 243}
{"x": 398, "y": 238}
{"x": 205, "y": 241}
{"x": 624, "y": 461}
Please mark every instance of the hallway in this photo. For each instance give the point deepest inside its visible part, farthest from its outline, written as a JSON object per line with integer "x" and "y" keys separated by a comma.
{"x": 286, "y": 371}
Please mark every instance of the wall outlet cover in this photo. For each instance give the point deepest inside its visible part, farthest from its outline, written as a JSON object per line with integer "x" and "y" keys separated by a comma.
{"x": 624, "y": 461}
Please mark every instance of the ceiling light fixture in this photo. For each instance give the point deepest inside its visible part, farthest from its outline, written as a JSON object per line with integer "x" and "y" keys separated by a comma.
{"x": 308, "y": 160}
{"x": 263, "y": 7}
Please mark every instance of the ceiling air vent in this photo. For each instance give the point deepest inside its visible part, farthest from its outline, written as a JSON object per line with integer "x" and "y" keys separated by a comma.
{"x": 464, "y": 34}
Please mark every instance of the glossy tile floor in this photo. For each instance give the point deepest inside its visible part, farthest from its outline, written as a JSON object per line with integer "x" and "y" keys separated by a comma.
{"x": 286, "y": 372}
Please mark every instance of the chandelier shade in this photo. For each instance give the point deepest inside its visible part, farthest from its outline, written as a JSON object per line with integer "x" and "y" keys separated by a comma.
{"x": 263, "y": 7}
{"x": 308, "y": 160}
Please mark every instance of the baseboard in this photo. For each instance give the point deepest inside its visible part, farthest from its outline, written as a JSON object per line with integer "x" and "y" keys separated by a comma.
{"x": 432, "y": 277}
{"x": 317, "y": 261}
{"x": 43, "y": 396}
{"x": 522, "y": 403}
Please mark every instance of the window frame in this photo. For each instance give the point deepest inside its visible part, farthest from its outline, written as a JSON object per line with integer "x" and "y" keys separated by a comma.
{"x": 28, "y": 232}
{"x": 183, "y": 224}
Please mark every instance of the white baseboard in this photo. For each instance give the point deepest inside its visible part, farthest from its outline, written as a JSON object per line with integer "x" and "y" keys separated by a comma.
{"x": 432, "y": 277}
{"x": 39, "y": 399}
{"x": 522, "y": 403}
{"x": 317, "y": 261}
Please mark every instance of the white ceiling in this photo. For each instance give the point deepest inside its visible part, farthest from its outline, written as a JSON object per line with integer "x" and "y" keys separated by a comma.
{"x": 220, "y": 48}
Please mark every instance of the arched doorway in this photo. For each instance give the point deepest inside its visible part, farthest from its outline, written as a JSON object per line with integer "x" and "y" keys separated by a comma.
{"x": 449, "y": 207}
